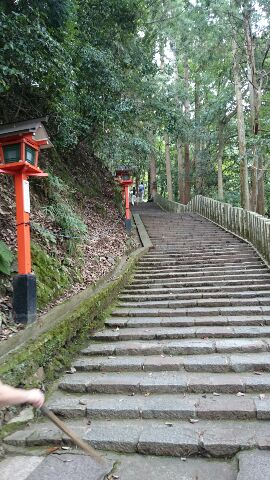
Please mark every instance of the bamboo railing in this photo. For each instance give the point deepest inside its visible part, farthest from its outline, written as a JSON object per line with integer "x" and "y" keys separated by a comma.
{"x": 249, "y": 225}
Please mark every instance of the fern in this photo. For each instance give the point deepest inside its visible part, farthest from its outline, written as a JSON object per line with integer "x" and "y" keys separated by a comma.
{"x": 43, "y": 232}
{"x": 6, "y": 258}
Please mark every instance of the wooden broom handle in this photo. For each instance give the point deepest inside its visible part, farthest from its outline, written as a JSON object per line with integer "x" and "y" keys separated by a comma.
{"x": 78, "y": 441}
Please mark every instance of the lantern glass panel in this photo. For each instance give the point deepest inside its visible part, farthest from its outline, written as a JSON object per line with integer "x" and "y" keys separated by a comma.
{"x": 30, "y": 155}
{"x": 11, "y": 153}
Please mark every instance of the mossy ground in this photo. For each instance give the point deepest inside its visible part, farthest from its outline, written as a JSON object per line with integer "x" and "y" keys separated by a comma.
{"x": 54, "y": 349}
{"x": 52, "y": 276}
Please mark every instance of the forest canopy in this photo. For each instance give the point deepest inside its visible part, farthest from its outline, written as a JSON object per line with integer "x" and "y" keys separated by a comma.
{"x": 177, "y": 88}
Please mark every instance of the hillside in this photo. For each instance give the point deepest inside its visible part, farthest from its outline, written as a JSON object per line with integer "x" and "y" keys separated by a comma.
{"x": 77, "y": 230}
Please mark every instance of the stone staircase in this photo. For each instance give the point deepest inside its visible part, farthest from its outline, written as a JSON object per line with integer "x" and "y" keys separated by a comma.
{"x": 182, "y": 367}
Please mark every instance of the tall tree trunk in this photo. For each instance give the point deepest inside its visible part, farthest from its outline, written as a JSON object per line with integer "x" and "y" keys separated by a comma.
{"x": 186, "y": 148}
{"x": 244, "y": 188}
{"x": 197, "y": 154}
{"x": 257, "y": 187}
{"x": 221, "y": 146}
{"x": 181, "y": 172}
{"x": 153, "y": 170}
{"x": 168, "y": 166}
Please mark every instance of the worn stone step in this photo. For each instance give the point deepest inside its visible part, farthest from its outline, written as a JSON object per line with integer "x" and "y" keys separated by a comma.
{"x": 155, "y": 255}
{"x": 146, "y": 322}
{"x": 195, "y": 283}
{"x": 205, "y": 257}
{"x": 165, "y": 406}
{"x": 179, "y": 295}
{"x": 162, "y": 333}
{"x": 172, "y": 249}
{"x": 215, "y": 290}
{"x": 166, "y": 265}
{"x": 201, "y": 274}
{"x": 179, "y": 347}
{"x": 221, "y": 266}
{"x": 213, "y": 363}
{"x": 155, "y": 437}
{"x": 198, "y": 302}
{"x": 177, "y": 280}
{"x": 191, "y": 312}
{"x": 165, "y": 382}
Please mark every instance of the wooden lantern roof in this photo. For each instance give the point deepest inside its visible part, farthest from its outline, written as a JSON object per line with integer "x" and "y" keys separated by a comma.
{"x": 26, "y": 127}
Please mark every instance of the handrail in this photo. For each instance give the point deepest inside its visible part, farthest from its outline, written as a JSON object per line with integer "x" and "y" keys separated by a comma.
{"x": 249, "y": 225}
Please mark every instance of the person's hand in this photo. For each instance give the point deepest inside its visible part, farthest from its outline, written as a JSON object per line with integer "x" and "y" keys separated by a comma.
{"x": 35, "y": 397}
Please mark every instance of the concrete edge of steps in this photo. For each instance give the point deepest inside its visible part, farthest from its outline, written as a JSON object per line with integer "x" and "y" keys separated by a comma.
{"x": 144, "y": 237}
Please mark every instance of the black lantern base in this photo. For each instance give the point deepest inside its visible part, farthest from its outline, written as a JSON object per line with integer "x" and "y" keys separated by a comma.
{"x": 24, "y": 298}
{"x": 128, "y": 225}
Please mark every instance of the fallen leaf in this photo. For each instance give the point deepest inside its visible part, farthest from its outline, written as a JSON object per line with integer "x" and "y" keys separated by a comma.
{"x": 51, "y": 450}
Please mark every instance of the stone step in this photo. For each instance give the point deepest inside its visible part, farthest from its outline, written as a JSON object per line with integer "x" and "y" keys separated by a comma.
{"x": 133, "y": 322}
{"x": 198, "y": 302}
{"x": 165, "y": 406}
{"x": 209, "y": 267}
{"x": 163, "y": 332}
{"x": 179, "y": 347}
{"x": 154, "y": 437}
{"x": 220, "y": 288}
{"x": 165, "y": 382}
{"x": 213, "y": 363}
{"x": 178, "y": 252}
{"x": 195, "y": 283}
{"x": 217, "y": 294}
{"x": 199, "y": 262}
{"x": 154, "y": 254}
{"x": 262, "y": 274}
{"x": 237, "y": 273}
{"x": 197, "y": 270}
{"x": 192, "y": 312}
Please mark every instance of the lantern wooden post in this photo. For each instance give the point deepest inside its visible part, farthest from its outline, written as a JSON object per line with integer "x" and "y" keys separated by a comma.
{"x": 19, "y": 146}
{"x": 122, "y": 176}
{"x": 128, "y": 216}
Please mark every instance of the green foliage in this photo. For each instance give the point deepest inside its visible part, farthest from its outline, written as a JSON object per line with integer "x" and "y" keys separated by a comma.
{"x": 63, "y": 213}
{"x": 71, "y": 224}
{"x": 6, "y": 259}
{"x": 46, "y": 235}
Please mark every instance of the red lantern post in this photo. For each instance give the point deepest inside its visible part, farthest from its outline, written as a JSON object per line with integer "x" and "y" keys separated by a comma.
{"x": 19, "y": 147}
{"x": 124, "y": 180}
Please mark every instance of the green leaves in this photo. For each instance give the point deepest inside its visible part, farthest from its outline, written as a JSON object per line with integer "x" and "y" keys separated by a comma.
{"x": 6, "y": 259}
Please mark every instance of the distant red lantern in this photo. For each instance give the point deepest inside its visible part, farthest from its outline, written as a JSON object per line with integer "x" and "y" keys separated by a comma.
{"x": 123, "y": 177}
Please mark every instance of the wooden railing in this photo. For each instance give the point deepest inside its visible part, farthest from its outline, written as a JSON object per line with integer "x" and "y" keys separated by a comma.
{"x": 249, "y": 225}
